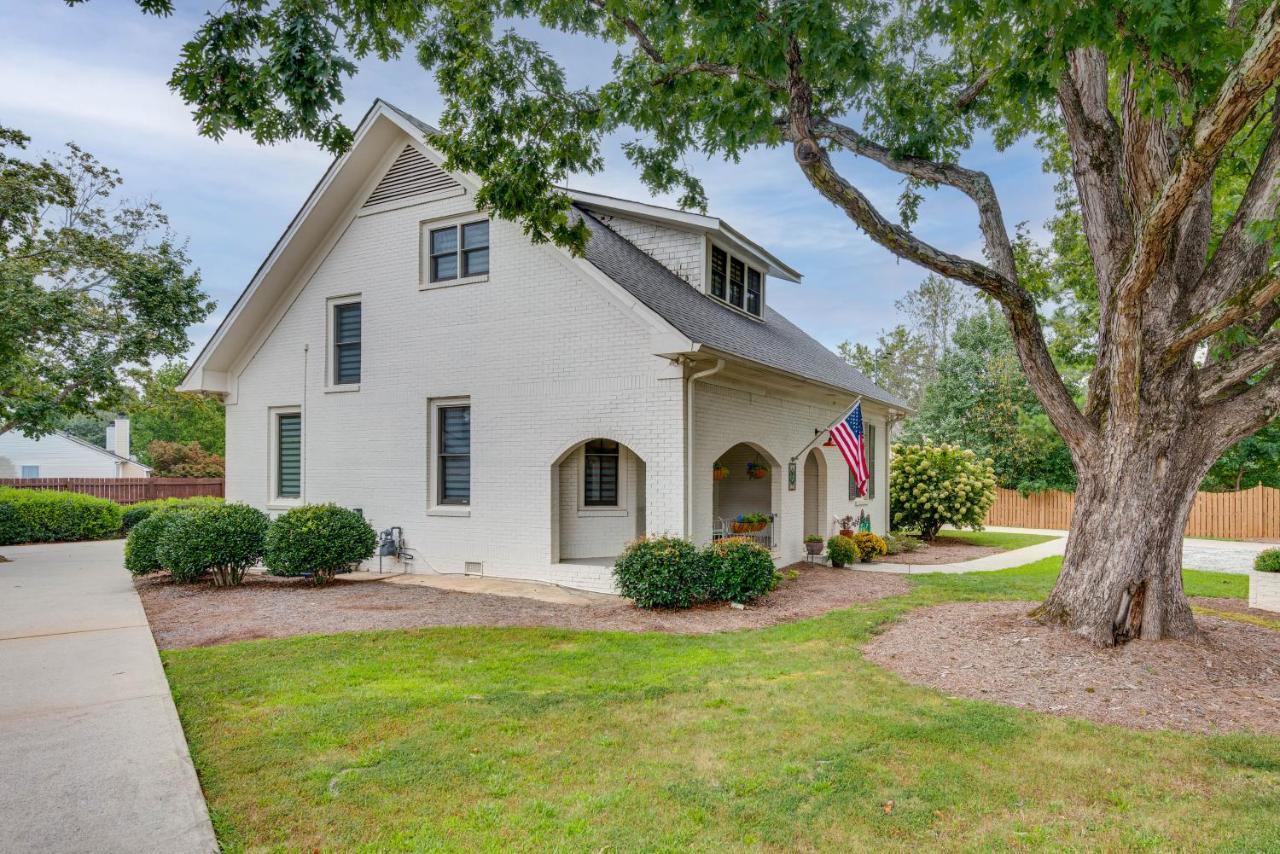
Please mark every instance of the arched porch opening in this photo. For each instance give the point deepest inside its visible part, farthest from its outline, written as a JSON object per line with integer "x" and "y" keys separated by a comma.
{"x": 598, "y": 501}
{"x": 746, "y": 496}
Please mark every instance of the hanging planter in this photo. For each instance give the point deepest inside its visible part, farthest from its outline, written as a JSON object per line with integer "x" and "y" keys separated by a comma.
{"x": 757, "y": 471}
{"x": 749, "y": 523}
{"x": 719, "y": 471}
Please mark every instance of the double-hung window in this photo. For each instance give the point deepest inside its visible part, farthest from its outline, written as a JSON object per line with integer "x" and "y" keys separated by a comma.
{"x": 600, "y": 474}
{"x": 458, "y": 251}
{"x": 289, "y": 455}
{"x": 346, "y": 343}
{"x": 29, "y": 472}
{"x": 734, "y": 281}
{"x": 453, "y": 444}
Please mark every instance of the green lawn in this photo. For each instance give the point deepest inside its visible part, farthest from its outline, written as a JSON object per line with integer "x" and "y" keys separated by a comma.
{"x": 536, "y": 739}
{"x": 996, "y": 539}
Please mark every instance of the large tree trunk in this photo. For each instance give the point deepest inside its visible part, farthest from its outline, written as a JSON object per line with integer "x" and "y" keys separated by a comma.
{"x": 1122, "y": 574}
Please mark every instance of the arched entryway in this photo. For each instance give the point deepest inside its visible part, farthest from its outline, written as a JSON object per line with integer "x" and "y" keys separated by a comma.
{"x": 747, "y": 487}
{"x": 598, "y": 500}
{"x": 815, "y": 494}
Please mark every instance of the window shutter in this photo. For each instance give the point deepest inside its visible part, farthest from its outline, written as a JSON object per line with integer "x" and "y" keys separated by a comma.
{"x": 289, "y": 454}
{"x": 871, "y": 460}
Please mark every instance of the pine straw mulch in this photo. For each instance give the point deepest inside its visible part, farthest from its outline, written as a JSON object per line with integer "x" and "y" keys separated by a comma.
{"x": 189, "y": 615}
{"x": 1227, "y": 680}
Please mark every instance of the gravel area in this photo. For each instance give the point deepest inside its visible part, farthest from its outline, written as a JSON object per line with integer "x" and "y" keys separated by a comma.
{"x": 942, "y": 550}
{"x": 265, "y": 607}
{"x": 1228, "y": 680}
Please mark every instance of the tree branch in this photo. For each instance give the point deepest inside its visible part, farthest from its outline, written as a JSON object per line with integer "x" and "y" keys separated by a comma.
{"x": 1217, "y": 378}
{"x": 1018, "y": 305}
{"x": 1250, "y": 301}
{"x": 971, "y": 92}
{"x": 717, "y": 69}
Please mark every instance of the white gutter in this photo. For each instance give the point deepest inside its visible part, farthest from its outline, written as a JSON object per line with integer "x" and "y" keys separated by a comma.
{"x": 688, "y": 444}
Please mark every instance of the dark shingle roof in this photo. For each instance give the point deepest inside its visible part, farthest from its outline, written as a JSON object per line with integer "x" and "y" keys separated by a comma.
{"x": 777, "y": 342}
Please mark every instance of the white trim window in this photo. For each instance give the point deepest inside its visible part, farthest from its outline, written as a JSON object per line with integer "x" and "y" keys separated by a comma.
{"x": 450, "y": 445}
{"x": 456, "y": 253}
{"x": 735, "y": 282}
{"x": 286, "y": 455}
{"x": 601, "y": 474}
{"x": 345, "y": 325}
{"x": 30, "y": 472}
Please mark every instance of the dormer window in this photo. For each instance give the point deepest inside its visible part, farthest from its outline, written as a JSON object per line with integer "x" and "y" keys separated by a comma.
{"x": 734, "y": 282}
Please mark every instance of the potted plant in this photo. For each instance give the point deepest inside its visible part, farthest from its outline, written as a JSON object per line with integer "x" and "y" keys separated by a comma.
{"x": 842, "y": 550}
{"x": 757, "y": 471}
{"x": 1264, "y": 581}
{"x": 813, "y": 544}
{"x": 749, "y": 523}
{"x": 719, "y": 471}
{"x": 845, "y": 525}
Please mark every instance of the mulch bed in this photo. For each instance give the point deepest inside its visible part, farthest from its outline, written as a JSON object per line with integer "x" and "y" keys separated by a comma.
{"x": 1228, "y": 680}
{"x": 943, "y": 549}
{"x": 265, "y": 607}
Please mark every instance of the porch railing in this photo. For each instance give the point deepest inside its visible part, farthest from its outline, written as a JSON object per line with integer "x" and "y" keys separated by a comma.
{"x": 765, "y": 536}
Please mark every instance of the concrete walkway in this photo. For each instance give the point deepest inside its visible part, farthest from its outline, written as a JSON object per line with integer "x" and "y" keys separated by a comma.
{"x": 92, "y": 756}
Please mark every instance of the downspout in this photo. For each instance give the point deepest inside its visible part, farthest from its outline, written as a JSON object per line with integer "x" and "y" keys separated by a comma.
{"x": 688, "y": 444}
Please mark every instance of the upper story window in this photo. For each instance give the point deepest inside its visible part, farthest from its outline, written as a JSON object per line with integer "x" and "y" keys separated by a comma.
{"x": 735, "y": 282}
{"x": 459, "y": 251}
{"x": 346, "y": 343}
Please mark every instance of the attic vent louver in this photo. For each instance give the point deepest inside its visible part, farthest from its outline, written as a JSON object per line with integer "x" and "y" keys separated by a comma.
{"x": 412, "y": 174}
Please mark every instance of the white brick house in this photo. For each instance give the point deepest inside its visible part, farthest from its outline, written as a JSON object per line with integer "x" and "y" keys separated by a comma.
{"x": 517, "y": 411}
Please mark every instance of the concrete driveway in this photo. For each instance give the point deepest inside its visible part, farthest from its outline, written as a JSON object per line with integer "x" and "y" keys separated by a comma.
{"x": 92, "y": 756}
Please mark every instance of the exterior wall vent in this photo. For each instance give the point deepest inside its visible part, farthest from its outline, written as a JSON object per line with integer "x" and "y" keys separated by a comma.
{"x": 473, "y": 567}
{"x": 412, "y": 174}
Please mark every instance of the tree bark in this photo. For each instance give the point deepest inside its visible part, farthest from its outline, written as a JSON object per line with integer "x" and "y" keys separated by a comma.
{"x": 1121, "y": 577}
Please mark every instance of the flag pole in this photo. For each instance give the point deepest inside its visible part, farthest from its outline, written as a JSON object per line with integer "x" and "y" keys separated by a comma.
{"x": 809, "y": 444}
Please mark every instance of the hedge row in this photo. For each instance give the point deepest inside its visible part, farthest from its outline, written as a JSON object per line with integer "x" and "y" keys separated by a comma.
{"x": 668, "y": 572}
{"x": 46, "y": 516}
{"x": 221, "y": 541}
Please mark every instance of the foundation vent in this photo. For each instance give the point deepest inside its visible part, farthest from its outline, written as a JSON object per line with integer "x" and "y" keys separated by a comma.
{"x": 473, "y": 567}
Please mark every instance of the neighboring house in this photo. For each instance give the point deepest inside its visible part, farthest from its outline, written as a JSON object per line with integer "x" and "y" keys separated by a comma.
{"x": 516, "y": 410}
{"x": 63, "y": 455}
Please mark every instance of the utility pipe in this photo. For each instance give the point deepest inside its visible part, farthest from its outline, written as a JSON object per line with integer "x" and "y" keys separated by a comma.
{"x": 688, "y": 444}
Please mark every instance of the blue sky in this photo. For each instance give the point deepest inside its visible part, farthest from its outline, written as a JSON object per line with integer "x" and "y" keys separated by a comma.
{"x": 96, "y": 74}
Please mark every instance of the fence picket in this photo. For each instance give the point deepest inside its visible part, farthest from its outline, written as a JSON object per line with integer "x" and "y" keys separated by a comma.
{"x": 126, "y": 490}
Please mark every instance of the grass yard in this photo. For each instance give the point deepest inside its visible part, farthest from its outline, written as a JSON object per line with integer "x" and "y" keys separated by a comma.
{"x": 1005, "y": 540}
{"x": 537, "y": 739}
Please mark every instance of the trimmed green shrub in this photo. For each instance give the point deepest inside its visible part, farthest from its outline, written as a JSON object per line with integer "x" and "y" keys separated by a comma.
{"x": 48, "y": 516}
{"x": 1267, "y": 561}
{"x": 135, "y": 513}
{"x": 221, "y": 539}
{"x": 141, "y": 547}
{"x": 870, "y": 546}
{"x": 661, "y": 572}
{"x": 317, "y": 540}
{"x": 738, "y": 570}
{"x": 842, "y": 550}
{"x": 935, "y": 485}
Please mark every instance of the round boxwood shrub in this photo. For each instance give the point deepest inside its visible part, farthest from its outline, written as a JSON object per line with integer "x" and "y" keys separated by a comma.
{"x": 842, "y": 550}
{"x": 935, "y": 485}
{"x": 224, "y": 540}
{"x": 870, "y": 546}
{"x": 738, "y": 570}
{"x": 661, "y": 572}
{"x": 135, "y": 513}
{"x": 49, "y": 516}
{"x": 317, "y": 540}
{"x": 1267, "y": 561}
{"x": 141, "y": 547}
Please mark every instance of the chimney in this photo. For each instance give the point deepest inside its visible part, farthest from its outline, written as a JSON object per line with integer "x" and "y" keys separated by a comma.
{"x": 118, "y": 438}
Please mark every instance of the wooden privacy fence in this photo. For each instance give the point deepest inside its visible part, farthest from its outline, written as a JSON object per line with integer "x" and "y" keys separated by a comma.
{"x": 125, "y": 490}
{"x": 1251, "y": 514}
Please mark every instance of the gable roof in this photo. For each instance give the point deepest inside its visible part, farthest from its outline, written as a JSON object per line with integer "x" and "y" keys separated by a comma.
{"x": 776, "y": 343}
{"x": 62, "y": 434}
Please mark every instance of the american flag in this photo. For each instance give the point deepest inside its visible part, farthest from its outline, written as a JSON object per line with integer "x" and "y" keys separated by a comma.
{"x": 848, "y": 437}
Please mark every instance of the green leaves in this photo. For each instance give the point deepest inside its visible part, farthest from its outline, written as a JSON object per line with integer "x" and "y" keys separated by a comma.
{"x": 935, "y": 485}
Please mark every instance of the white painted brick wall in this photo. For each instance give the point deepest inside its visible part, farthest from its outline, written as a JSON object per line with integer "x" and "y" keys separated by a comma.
{"x": 681, "y": 252}
{"x": 725, "y": 416}
{"x": 547, "y": 358}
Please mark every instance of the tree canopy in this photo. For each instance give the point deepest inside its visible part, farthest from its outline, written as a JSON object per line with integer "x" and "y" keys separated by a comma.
{"x": 91, "y": 286}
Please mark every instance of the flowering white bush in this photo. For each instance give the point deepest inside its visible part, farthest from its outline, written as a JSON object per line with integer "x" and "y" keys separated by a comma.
{"x": 935, "y": 485}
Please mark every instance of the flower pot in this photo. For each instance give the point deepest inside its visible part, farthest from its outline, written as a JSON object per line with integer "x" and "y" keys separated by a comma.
{"x": 813, "y": 548}
{"x": 845, "y": 532}
{"x": 719, "y": 473}
{"x": 1264, "y": 590}
{"x": 746, "y": 527}
{"x": 838, "y": 564}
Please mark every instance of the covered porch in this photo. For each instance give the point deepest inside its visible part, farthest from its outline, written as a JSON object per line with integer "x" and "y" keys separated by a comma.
{"x": 746, "y": 495}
